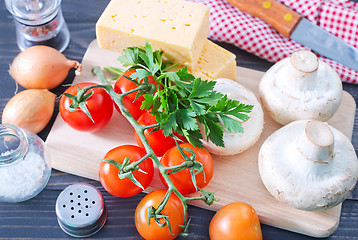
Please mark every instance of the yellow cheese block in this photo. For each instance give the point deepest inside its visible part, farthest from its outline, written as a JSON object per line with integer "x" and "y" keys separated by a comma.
{"x": 179, "y": 28}
{"x": 215, "y": 62}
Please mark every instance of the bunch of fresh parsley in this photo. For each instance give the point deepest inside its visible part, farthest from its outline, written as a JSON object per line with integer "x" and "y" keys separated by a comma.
{"x": 182, "y": 102}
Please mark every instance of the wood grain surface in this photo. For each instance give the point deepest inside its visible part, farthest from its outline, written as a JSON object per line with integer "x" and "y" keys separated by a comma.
{"x": 283, "y": 19}
{"x": 36, "y": 218}
{"x": 236, "y": 177}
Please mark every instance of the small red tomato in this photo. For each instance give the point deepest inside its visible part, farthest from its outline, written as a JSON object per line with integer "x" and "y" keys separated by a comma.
{"x": 235, "y": 221}
{"x": 124, "y": 85}
{"x": 157, "y": 141}
{"x": 99, "y": 105}
{"x": 108, "y": 174}
{"x": 182, "y": 179}
{"x": 174, "y": 210}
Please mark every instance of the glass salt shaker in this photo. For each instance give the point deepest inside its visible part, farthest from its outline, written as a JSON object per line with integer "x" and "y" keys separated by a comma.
{"x": 39, "y": 22}
{"x": 24, "y": 164}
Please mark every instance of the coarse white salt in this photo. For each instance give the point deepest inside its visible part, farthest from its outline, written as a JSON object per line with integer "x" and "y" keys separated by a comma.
{"x": 8, "y": 152}
{"x": 22, "y": 178}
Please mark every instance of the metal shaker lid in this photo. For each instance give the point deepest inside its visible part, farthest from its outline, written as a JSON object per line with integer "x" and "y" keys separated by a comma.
{"x": 80, "y": 210}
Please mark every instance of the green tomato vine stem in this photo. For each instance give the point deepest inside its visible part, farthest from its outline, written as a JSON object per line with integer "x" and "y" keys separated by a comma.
{"x": 183, "y": 165}
{"x": 134, "y": 165}
{"x": 150, "y": 126}
{"x": 118, "y": 100}
{"x": 84, "y": 90}
{"x": 179, "y": 102}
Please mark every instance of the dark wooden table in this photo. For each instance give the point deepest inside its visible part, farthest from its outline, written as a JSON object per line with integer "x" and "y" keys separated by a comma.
{"x": 36, "y": 218}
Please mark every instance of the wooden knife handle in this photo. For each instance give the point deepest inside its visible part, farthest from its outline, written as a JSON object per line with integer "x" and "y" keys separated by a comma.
{"x": 283, "y": 19}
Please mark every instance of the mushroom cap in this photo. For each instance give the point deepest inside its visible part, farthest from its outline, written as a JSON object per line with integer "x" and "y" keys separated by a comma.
{"x": 291, "y": 90}
{"x": 238, "y": 142}
{"x": 293, "y": 176}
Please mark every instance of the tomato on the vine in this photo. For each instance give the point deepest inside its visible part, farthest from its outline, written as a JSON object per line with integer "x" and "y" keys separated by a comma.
{"x": 157, "y": 141}
{"x": 174, "y": 210}
{"x": 99, "y": 105}
{"x": 124, "y": 85}
{"x": 108, "y": 173}
{"x": 237, "y": 220}
{"x": 182, "y": 179}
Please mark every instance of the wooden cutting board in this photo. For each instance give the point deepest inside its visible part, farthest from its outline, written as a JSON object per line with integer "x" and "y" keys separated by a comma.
{"x": 236, "y": 177}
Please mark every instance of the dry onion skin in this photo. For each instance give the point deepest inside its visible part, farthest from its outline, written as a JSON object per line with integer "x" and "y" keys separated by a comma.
{"x": 41, "y": 67}
{"x": 30, "y": 109}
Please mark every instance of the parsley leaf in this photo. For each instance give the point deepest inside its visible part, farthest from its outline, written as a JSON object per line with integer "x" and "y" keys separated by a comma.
{"x": 182, "y": 102}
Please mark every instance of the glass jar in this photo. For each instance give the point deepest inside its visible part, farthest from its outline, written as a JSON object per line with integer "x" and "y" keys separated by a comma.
{"x": 39, "y": 22}
{"x": 24, "y": 164}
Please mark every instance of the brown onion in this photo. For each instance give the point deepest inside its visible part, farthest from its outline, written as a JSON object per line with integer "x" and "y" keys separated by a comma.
{"x": 41, "y": 67}
{"x": 30, "y": 109}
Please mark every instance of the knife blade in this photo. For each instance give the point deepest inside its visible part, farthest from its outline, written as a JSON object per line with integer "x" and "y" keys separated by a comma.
{"x": 292, "y": 25}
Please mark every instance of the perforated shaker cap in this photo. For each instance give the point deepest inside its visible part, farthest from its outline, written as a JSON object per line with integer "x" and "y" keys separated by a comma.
{"x": 80, "y": 210}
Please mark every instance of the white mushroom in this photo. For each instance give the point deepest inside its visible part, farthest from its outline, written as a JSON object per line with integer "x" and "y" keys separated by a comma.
{"x": 309, "y": 165}
{"x": 300, "y": 87}
{"x": 238, "y": 142}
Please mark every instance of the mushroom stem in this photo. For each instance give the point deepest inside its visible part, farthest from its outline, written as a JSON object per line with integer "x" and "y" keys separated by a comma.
{"x": 316, "y": 144}
{"x": 303, "y": 67}
{"x": 304, "y": 61}
{"x": 309, "y": 165}
{"x": 300, "y": 74}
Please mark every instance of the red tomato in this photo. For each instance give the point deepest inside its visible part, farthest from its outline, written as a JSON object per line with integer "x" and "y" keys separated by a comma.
{"x": 157, "y": 141}
{"x": 100, "y": 106}
{"x": 182, "y": 179}
{"x": 108, "y": 174}
{"x": 174, "y": 210}
{"x": 236, "y": 221}
{"x": 124, "y": 85}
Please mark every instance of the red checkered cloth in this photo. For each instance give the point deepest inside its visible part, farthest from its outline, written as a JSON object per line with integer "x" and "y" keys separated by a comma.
{"x": 339, "y": 17}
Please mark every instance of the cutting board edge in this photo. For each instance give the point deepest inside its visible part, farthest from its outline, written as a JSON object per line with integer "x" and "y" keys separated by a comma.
{"x": 322, "y": 233}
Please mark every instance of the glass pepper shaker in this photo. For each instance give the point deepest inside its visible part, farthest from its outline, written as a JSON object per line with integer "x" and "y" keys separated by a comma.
{"x": 39, "y": 22}
{"x": 24, "y": 164}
